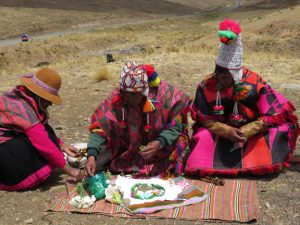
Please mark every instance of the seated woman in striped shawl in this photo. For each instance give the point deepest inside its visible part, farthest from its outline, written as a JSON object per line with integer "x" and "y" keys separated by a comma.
{"x": 29, "y": 148}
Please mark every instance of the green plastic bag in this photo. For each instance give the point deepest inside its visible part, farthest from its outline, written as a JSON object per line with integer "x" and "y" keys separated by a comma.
{"x": 96, "y": 185}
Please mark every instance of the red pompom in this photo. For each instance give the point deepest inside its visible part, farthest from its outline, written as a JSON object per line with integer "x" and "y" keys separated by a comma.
{"x": 236, "y": 119}
{"x": 229, "y": 24}
{"x": 218, "y": 107}
{"x": 122, "y": 124}
{"x": 147, "y": 127}
{"x": 218, "y": 110}
{"x": 223, "y": 39}
{"x": 149, "y": 70}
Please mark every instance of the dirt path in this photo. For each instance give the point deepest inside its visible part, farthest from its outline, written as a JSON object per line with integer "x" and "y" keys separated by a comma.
{"x": 98, "y": 25}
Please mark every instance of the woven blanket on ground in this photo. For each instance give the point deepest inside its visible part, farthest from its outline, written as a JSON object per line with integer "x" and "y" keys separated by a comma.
{"x": 235, "y": 201}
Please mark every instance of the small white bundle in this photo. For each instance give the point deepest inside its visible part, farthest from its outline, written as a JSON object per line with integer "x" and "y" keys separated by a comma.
{"x": 82, "y": 202}
{"x": 80, "y": 146}
{"x": 81, "y": 159}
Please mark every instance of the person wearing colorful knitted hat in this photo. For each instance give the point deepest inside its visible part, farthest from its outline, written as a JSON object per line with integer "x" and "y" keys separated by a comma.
{"x": 141, "y": 128}
{"x": 29, "y": 147}
{"x": 242, "y": 125}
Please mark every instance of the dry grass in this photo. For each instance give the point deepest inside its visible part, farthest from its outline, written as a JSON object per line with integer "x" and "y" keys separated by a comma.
{"x": 172, "y": 48}
{"x": 201, "y": 48}
{"x": 102, "y": 74}
{"x": 164, "y": 41}
{"x": 15, "y": 21}
{"x": 298, "y": 68}
{"x": 107, "y": 71}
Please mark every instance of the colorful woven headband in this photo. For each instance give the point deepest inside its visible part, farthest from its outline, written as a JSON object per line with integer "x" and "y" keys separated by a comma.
{"x": 42, "y": 84}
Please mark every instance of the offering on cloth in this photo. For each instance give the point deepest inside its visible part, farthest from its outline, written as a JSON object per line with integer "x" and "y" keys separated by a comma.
{"x": 146, "y": 191}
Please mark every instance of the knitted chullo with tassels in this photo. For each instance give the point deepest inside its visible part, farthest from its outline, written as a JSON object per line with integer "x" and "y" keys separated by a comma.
{"x": 137, "y": 78}
{"x": 230, "y": 57}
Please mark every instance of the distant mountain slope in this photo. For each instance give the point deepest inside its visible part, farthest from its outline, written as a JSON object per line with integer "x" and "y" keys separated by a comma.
{"x": 150, "y": 6}
{"x": 40, "y": 16}
{"x": 272, "y": 31}
{"x": 210, "y": 4}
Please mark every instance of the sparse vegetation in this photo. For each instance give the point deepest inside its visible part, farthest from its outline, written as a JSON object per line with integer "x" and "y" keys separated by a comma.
{"x": 102, "y": 74}
{"x": 298, "y": 68}
{"x": 172, "y": 48}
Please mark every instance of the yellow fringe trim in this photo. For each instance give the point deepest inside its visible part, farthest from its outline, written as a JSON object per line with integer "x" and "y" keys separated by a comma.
{"x": 97, "y": 130}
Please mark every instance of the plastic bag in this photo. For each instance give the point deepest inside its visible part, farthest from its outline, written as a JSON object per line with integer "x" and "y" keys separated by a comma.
{"x": 96, "y": 185}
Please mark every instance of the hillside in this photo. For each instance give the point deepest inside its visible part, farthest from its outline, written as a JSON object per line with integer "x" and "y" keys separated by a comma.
{"x": 274, "y": 32}
{"x": 145, "y": 6}
{"x": 42, "y": 16}
{"x": 35, "y": 16}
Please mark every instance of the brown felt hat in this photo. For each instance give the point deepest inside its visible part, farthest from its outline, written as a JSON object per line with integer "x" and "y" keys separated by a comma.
{"x": 45, "y": 83}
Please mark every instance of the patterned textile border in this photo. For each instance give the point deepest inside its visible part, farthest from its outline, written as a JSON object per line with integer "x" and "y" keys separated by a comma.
{"x": 235, "y": 201}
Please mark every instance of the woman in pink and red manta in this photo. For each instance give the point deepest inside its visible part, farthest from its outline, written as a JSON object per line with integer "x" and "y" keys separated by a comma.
{"x": 242, "y": 125}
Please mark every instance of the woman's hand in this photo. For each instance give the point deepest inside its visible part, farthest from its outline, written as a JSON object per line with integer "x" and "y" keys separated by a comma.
{"x": 69, "y": 150}
{"x": 236, "y": 135}
{"x": 74, "y": 173}
{"x": 150, "y": 150}
{"x": 90, "y": 166}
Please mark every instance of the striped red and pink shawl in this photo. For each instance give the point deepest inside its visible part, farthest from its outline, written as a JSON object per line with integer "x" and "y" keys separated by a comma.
{"x": 19, "y": 111}
{"x": 170, "y": 103}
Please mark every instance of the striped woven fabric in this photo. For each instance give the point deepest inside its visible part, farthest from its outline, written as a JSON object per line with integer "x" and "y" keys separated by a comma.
{"x": 235, "y": 201}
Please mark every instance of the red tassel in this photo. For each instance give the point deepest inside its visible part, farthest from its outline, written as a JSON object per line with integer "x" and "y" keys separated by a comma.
{"x": 122, "y": 124}
{"x": 218, "y": 110}
{"x": 147, "y": 127}
{"x": 236, "y": 119}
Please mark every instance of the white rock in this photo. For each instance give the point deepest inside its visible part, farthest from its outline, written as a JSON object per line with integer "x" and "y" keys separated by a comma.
{"x": 267, "y": 204}
{"x": 28, "y": 221}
